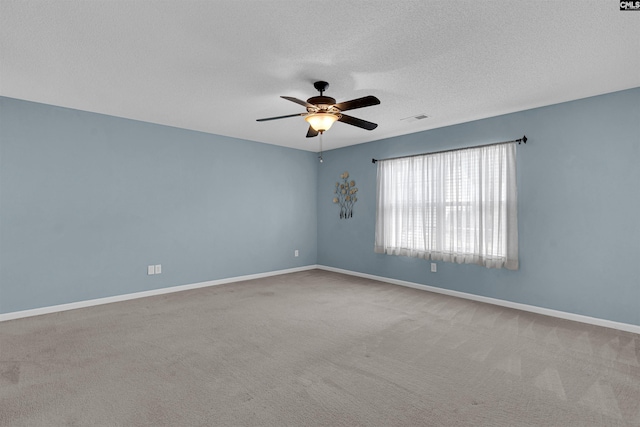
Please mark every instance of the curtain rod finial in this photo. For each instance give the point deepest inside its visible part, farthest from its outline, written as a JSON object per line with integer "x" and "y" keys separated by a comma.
{"x": 373, "y": 160}
{"x": 524, "y": 139}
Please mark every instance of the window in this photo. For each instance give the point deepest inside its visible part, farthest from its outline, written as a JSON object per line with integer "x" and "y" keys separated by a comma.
{"x": 457, "y": 206}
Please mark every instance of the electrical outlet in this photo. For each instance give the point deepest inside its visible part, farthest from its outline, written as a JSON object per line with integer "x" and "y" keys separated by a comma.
{"x": 158, "y": 268}
{"x": 151, "y": 270}
{"x": 434, "y": 267}
{"x": 295, "y": 253}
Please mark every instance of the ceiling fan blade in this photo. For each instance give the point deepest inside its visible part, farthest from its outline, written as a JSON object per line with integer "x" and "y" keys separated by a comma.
{"x": 298, "y": 101}
{"x": 281, "y": 117}
{"x": 357, "y": 122}
{"x": 311, "y": 132}
{"x": 366, "y": 101}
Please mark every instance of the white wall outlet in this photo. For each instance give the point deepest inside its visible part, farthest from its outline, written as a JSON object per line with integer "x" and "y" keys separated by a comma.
{"x": 151, "y": 269}
{"x": 434, "y": 267}
{"x": 158, "y": 268}
{"x": 295, "y": 253}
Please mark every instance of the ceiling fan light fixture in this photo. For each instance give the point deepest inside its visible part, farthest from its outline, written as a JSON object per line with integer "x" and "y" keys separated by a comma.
{"x": 322, "y": 111}
{"x": 321, "y": 122}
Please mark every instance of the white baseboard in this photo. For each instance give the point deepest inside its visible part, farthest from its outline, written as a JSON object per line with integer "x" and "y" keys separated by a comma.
{"x": 504, "y": 303}
{"x": 143, "y": 294}
{"x": 518, "y": 306}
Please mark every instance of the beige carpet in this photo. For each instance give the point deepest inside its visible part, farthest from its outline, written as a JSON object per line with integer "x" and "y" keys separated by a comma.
{"x": 314, "y": 349}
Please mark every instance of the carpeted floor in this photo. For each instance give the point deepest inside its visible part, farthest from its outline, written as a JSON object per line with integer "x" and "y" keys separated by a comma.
{"x": 314, "y": 349}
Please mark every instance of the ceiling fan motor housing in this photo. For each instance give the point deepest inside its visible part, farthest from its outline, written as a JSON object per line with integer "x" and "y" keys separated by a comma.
{"x": 322, "y": 102}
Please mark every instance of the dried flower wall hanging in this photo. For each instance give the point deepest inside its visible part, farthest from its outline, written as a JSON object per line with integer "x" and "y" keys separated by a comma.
{"x": 345, "y": 195}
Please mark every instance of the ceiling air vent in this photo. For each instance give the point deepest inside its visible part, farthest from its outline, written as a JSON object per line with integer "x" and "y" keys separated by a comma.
{"x": 415, "y": 118}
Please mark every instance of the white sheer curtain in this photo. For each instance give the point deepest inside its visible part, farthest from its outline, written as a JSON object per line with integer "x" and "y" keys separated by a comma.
{"x": 457, "y": 206}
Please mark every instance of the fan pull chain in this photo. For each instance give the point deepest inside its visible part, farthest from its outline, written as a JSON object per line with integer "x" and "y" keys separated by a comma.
{"x": 320, "y": 156}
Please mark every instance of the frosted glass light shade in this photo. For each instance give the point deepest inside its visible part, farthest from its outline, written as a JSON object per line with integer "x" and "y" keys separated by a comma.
{"x": 321, "y": 122}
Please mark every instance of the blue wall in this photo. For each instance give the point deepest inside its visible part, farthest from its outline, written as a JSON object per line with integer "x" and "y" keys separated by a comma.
{"x": 87, "y": 201}
{"x": 579, "y": 208}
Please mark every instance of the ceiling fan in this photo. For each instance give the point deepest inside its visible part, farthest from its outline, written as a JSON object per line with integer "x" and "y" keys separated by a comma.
{"x": 323, "y": 111}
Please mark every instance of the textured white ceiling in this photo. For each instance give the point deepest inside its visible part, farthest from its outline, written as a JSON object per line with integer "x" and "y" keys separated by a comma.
{"x": 217, "y": 66}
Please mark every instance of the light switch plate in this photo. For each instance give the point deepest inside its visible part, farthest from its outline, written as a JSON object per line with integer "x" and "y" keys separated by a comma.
{"x": 158, "y": 268}
{"x": 434, "y": 267}
{"x": 151, "y": 270}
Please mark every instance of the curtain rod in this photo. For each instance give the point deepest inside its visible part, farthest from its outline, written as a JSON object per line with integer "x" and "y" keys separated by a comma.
{"x": 519, "y": 140}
